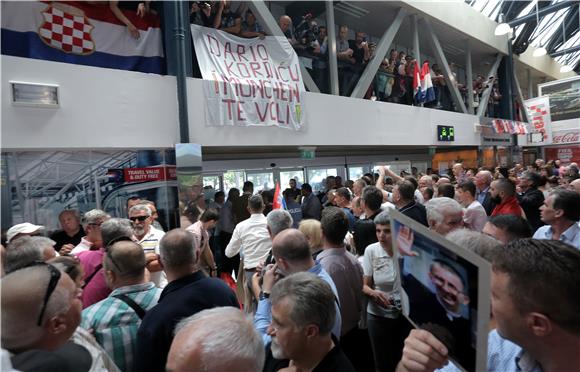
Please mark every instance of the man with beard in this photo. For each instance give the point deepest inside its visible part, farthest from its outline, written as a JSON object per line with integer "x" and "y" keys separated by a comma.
{"x": 303, "y": 313}
{"x": 503, "y": 194}
{"x": 148, "y": 237}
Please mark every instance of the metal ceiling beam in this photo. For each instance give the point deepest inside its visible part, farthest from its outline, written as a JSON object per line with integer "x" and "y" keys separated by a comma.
{"x": 542, "y": 12}
{"x": 469, "y": 77}
{"x": 565, "y": 51}
{"x": 271, "y": 26}
{"x": 331, "y": 49}
{"x": 382, "y": 49}
{"x": 440, "y": 55}
{"x": 520, "y": 96}
{"x": 487, "y": 91}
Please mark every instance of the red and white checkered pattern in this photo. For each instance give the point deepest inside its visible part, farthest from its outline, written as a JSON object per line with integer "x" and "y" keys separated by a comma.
{"x": 67, "y": 32}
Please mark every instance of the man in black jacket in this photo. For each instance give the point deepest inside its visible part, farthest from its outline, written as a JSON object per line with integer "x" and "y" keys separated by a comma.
{"x": 404, "y": 199}
{"x": 531, "y": 199}
{"x": 189, "y": 291}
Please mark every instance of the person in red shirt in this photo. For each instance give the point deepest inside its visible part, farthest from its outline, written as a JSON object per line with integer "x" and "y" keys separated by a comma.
{"x": 503, "y": 193}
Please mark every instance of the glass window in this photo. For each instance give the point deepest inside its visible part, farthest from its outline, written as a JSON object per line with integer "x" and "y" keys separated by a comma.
{"x": 261, "y": 180}
{"x": 396, "y": 166}
{"x": 233, "y": 178}
{"x": 213, "y": 181}
{"x": 354, "y": 173}
{"x": 316, "y": 176}
{"x": 286, "y": 175}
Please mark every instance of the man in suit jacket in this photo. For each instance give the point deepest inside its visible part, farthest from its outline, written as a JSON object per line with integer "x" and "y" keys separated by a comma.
{"x": 440, "y": 312}
{"x": 482, "y": 182}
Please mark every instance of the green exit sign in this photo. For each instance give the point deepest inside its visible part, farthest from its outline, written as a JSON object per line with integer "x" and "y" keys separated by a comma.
{"x": 307, "y": 154}
{"x": 445, "y": 133}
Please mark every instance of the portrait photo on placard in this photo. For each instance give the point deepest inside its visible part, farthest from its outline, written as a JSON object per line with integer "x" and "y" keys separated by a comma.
{"x": 445, "y": 290}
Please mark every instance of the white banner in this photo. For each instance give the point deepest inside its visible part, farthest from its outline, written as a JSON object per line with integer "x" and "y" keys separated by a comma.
{"x": 249, "y": 82}
{"x": 540, "y": 118}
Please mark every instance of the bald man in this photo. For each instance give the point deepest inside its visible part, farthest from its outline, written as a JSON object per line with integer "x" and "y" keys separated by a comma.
{"x": 291, "y": 251}
{"x": 41, "y": 308}
{"x": 124, "y": 269}
{"x": 482, "y": 181}
{"x": 197, "y": 345}
{"x": 575, "y": 185}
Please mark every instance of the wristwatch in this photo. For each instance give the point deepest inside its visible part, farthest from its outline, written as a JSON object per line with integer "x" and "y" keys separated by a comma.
{"x": 264, "y": 295}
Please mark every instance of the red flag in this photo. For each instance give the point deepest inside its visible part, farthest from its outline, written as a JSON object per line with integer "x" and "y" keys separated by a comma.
{"x": 278, "y": 199}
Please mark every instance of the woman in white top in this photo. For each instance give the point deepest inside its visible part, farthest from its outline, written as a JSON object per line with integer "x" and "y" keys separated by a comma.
{"x": 387, "y": 327}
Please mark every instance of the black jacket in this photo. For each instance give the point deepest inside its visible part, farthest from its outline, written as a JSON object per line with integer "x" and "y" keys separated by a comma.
{"x": 180, "y": 299}
{"x": 415, "y": 211}
{"x": 488, "y": 204}
{"x": 531, "y": 201}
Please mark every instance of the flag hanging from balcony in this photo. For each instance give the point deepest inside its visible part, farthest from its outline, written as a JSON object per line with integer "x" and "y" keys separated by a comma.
{"x": 249, "y": 82}
{"x": 279, "y": 202}
{"x": 82, "y": 33}
{"x": 423, "y": 90}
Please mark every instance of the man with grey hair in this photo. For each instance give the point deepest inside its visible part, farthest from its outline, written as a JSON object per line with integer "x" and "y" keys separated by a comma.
{"x": 27, "y": 250}
{"x": 482, "y": 181}
{"x": 116, "y": 319}
{"x": 198, "y": 347}
{"x": 92, "y": 240}
{"x": 444, "y": 215}
{"x": 40, "y": 312}
{"x": 475, "y": 241}
{"x": 148, "y": 237}
{"x": 303, "y": 314}
{"x": 189, "y": 291}
{"x": 95, "y": 288}
{"x": 277, "y": 221}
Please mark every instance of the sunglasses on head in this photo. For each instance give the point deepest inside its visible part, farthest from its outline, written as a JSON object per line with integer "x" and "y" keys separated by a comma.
{"x": 55, "y": 275}
{"x": 139, "y": 218}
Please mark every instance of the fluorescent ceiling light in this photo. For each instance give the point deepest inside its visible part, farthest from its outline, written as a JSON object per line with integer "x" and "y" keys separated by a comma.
{"x": 32, "y": 94}
{"x": 566, "y": 68}
{"x": 502, "y": 29}
{"x": 541, "y": 51}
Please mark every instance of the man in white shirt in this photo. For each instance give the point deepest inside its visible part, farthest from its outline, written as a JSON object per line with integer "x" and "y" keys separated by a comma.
{"x": 251, "y": 239}
{"x": 474, "y": 215}
{"x": 148, "y": 237}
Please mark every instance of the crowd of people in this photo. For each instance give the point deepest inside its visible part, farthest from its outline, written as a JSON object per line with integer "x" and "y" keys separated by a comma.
{"x": 315, "y": 284}
{"x": 393, "y": 81}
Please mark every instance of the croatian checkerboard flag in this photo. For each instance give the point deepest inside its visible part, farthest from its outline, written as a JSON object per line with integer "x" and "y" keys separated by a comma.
{"x": 81, "y": 33}
{"x": 279, "y": 202}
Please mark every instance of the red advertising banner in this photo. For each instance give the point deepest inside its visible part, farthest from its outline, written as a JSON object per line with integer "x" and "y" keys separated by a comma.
{"x": 160, "y": 173}
{"x": 566, "y": 154}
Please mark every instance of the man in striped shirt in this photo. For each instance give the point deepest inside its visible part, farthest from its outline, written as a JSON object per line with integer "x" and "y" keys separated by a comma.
{"x": 116, "y": 319}
{"x": 149, "y": 237}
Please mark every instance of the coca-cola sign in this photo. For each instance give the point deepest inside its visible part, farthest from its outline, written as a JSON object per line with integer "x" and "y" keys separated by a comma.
{"x": 566, "y": 137}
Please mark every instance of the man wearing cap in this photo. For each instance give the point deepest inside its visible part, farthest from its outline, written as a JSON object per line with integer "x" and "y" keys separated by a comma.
{"x": 22, "y": 229}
